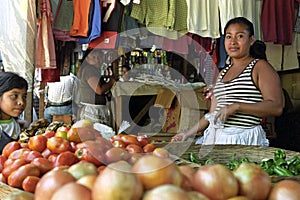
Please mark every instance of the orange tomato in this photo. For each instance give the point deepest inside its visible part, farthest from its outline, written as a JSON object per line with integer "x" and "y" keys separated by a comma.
{"x": 58, "y": 145}
{"x": 38, "y": 143}
{"x": 134, "y": 148}
{"x": 130, "y": 139}
{"x": 10, "y": 147}
{"x": 116, "y": 154}
{"x": 148, "y": 148}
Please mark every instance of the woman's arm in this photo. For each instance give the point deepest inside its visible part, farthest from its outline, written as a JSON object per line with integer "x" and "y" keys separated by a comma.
{"x": 100, "y": 89}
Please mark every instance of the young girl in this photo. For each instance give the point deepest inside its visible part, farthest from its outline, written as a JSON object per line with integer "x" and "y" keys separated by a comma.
{"x": 13, "y": 92}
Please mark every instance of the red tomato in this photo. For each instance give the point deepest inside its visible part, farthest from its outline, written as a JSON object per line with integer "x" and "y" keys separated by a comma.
{"x": 130, "y": 139}
{"x": 58, "y": 145}
{"x": 119, "y": 143}
{"x": 148, "y": 148}
{"x": 143, "y": 140}
{"x": 43, "y": 164}
{"x": 116, "y": 154}
{"x": 134, "y": 148}
{"x": 65, "y": 158}
{"x": 38, "y": 143}
{"x": 10, "y": 147}
{"x": 32, "y": 155}
{"x": 2, "y": 161}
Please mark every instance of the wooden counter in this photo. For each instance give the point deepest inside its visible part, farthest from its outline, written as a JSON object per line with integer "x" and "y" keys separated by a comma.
{"x": 188, "y": 95}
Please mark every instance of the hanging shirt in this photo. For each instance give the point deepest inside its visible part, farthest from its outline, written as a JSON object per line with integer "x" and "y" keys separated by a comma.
{"x": 95, "y": 27}
{"x": 80, "y": 25}
{"x": 165, "y": 18}
{"x": 241, "y": 8}
{"x": 203, "y": 18}
{"x": 111, "y": 15}
{"x": 280, "y": 29}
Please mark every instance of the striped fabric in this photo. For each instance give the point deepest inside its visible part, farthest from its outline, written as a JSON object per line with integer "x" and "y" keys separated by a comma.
{"x": 239, "y": 90}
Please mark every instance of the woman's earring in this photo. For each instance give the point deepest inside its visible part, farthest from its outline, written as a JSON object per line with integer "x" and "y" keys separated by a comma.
{"x": 228, "y": 60}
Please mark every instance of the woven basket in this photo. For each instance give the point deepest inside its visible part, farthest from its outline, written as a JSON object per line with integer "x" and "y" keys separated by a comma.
{"x": 6, "y": 189}
{"x": 223, "y": 154}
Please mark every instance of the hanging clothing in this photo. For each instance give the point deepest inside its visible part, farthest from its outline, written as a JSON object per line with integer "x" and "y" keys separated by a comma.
{"x": 203, "y": 18}
{"x": 111, "y": 15}
{"x": 95, "y": 26}
{"x": 63, "y": 20}
{"x": 80, "y": 24}
{"x": 45, "y": 48}
{"x": 280, "y": 29}
{"x": 237, "y": 8}
{"x": 164, "y": 18}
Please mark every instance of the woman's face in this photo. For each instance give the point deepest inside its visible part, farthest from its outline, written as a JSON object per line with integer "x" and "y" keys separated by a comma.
{"x": 238, "y": 41}
{"x": 93, "y": 58}
{"x": 13, "y": 103}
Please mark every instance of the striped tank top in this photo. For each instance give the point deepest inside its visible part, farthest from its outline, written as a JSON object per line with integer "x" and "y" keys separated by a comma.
{"x": 239, "y": 90}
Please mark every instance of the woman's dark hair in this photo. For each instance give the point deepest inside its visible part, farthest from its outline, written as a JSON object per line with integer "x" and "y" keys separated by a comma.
{"x": 258, "y": 50}
{"x": 11, "y": 80}
{"x": 241, "y": 20}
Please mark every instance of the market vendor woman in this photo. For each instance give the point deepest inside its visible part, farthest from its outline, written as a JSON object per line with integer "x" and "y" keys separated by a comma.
{"x": 13, "y": 93}
{"x": 247, "y": 90}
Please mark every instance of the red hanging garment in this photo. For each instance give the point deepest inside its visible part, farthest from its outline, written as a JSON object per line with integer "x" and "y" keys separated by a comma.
{"x": 45, "y": 48}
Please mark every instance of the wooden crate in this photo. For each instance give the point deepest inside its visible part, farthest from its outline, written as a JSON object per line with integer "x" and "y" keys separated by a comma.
{"x": 67, "y": 119}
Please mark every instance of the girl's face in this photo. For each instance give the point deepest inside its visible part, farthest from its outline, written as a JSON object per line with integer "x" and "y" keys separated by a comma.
{"x": 238, "y": 41}
{"x": 12, "y": 103}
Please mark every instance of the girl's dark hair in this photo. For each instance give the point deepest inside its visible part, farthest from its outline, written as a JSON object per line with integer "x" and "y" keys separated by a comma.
{"x": 258, "y": 48}
{"x": 11, "y": 80}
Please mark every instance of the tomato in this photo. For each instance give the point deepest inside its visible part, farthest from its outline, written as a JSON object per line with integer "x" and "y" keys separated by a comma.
{"x": 49, "y": 134}
{"x": 116, "y": 137}
{"x": 148, "y": 148}
{"x": 46, "y": 153}
{"x": 216, "y": 182}
{"x": 16, "y": 178}
{"x": 130, "y": 139}
{"x": 154, "y": 171}
{"x": 254, "y": 182}
{"x": 285, "y": 189}
{"x": 19, "y": 153}
{"x": 161, "y": 152}
{"x": 116, "y": 154}
{"x": 2, "y": 161}
{"x": 119, "y": 143}
{"x": 143, "y": 140}
{"x": 43, "y": 164}
{"x": 38, "y": 143}
{"x": 32, "y": 155}
{"x": 10, "y": 147}
{"x": 58, "y": 145}
{"x": 134, "y": 148}
{"x": 29, "y": 183}
{"x": 13, "y": 166}
{"x": 65, "y": 158}
{"x": 91, "y": 151}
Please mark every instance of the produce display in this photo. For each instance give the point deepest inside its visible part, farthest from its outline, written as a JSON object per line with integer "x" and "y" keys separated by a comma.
{"x": 76, "y": 162}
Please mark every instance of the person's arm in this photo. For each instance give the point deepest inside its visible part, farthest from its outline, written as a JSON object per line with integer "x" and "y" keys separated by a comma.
{"x": 201, "y": 125}
{"x": 100, "y": 89}
{"x": 268, "y": 81}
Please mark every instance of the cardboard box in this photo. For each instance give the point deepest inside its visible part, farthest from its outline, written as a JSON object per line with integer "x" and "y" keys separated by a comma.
{"x": 167, "y": 99}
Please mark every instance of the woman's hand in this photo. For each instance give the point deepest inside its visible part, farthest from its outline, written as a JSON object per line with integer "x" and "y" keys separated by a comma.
{"x": 225, "y": 112}
{"x": 179, "y": 137}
